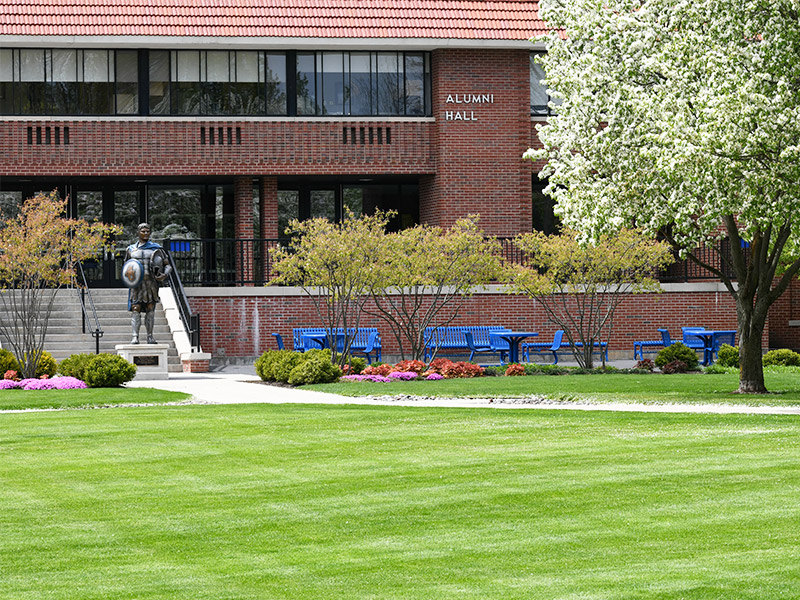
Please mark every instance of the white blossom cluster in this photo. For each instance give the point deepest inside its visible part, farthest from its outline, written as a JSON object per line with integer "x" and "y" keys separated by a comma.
{"x": 675, "y": 113}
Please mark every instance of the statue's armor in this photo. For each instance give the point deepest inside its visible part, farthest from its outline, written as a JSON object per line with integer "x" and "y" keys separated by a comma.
{"x": 153, "y": 262}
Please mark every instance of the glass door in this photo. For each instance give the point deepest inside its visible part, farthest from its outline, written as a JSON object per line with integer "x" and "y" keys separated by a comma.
{"x": 108, "y": 204}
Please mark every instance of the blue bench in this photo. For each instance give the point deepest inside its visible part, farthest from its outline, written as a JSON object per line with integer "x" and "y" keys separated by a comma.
{"x": 452, "y": 341}
{"x": 559, "y": 346}
{"x": 367, "y": 340}
{"x": 653, "y": 346}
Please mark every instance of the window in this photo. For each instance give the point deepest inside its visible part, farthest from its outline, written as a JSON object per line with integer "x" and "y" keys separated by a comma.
{"x": 540, "y": 95}
{"x": 542, "y": 205}
{"x": 61, "y": 81}
{"x": 363, "y": 83}
{"x": 276, "y": 84}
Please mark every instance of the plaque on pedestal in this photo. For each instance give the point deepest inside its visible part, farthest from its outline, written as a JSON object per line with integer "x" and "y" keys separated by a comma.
{"x": 150, "y": 359}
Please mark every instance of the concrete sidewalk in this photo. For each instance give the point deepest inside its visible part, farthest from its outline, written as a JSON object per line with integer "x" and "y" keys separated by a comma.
{"x": 242, "y": 387}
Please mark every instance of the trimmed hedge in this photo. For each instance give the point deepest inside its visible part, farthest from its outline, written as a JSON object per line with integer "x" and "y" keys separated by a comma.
{"x": 297, "y": 368}
{"x": 108, "y": 370}
{"x": 677, "y": 352}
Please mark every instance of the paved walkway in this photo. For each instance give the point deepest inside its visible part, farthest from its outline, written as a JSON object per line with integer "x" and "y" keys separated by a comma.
{"x": 242, "y": 387}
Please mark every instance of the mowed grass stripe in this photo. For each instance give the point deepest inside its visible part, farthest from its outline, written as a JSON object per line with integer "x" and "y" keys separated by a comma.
{"x": 261, "y": 501}
{"x": 694, "y": 388}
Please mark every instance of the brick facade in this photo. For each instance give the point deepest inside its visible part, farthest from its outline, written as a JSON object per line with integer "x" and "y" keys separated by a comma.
{"x": 478, "y": 145}
{"x": 242, "y": 325}
{"x": 466, "y": 159}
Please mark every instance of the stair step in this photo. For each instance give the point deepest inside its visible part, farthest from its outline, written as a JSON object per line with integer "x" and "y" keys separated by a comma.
{"x": 65, "y": 336}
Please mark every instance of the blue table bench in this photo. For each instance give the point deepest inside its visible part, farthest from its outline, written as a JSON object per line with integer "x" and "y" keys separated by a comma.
{"x": 367, "y": 340}
{"x": 452, "y": 341}
{"x": 559, "y": 346}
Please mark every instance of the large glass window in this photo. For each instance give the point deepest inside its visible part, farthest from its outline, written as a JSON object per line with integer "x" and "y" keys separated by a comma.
{"x": 363, "y": 83}
{"x": 62, "y": 81}
{"x": 159, "y": 83}
{"x": 540, "y": 95}
{"x": 306, "y": 84}
{"x": 276, "y": 84}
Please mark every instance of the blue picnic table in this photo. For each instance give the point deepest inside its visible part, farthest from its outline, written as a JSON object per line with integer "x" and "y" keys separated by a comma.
{"x": 712, "y": 339}
{"x": 514, "y": 338}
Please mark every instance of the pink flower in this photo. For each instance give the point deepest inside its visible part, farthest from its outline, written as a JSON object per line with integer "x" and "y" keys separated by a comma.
{"x": 403, "y": 375}
{"x": 434, "y": 377}
{"x": 8, "y": 384}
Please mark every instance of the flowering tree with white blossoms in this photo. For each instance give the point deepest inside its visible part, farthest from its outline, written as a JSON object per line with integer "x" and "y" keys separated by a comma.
{"x": 682, "y": 118}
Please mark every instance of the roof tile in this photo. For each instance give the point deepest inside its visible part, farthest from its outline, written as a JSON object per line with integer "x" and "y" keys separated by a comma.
{"x": 455, "y": 19}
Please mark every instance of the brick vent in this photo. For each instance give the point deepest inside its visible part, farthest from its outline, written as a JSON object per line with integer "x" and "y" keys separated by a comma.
{"x": 367, "y": 135}
{"x": 221, "y": 136}
{"x": 48, "y": 136}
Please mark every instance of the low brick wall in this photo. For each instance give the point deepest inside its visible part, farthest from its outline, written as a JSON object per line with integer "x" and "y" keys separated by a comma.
{"x": 239, "y": 322}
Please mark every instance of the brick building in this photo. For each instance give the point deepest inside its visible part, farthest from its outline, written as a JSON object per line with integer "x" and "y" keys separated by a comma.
{"x": 217, "y": 122}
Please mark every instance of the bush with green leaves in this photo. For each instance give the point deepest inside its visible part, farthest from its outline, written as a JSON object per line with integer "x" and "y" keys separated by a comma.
{"x": 315, "y": 367}
{"x": 728, "y": 356}
{"x": 356, "y": 364}
{"x": 783, "y": 357}
{"x": 8, "y": 362}
{"x": 108, "y": 370}
{"x": 677, "y": 352}
{"x": 75, "y": 365}
{"x": 715, "y": 369}
{"x": 275, "y": 365}
{"x": 47, "y": 365}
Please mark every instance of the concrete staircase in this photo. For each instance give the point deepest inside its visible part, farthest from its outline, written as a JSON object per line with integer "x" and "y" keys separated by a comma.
{"x": 64, "y": 332}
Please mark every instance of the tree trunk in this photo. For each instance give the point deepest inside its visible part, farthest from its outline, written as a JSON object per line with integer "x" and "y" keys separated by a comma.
{"x": 752, "y": 319}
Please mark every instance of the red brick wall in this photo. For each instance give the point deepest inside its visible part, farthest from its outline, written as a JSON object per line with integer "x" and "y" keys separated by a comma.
{"x": 479, "y": 169}
{"x": 167, "y": 147}
{"x": 242, "y": 325}
{"x": 784, "y": 311}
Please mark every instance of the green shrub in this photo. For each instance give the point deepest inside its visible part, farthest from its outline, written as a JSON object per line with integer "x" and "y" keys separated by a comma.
{"x": 315, "y": 367}
{"x": 783, "y": 357}
{"x": 75, "y": 365}
{"x": 728, "y": 356}
{"x": 276, "y": 365}
{"x": 715, "y": 369}
{"x": 494, "y": 370}
{"x": 108, "y": 370}
{"x": 677, "y": 352}
{"x": 357, "y": 364}
{"x": 47, "y": 365}
{"x": 8, "y": 362}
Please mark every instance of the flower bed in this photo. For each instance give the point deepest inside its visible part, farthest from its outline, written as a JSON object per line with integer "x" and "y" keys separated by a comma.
{"x": 413, "y": 370}
{"x": 55, "y": 383}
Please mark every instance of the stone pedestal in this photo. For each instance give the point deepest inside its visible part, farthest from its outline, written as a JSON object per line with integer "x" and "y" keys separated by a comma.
{"x": 196, "y": 362}
{"x": 150, "y": 359}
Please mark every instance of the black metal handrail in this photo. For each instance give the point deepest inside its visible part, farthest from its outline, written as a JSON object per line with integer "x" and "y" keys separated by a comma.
{"x": 191, "y": 321}
{"x": 83, "y": 294}
{"x": 249, "y": 261}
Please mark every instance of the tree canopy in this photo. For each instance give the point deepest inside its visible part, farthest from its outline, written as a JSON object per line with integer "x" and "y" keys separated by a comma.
{"x": 682, "y": 118}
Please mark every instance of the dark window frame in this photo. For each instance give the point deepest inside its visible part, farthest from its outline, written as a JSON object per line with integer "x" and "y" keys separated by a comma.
{"x": 144, "y": 104}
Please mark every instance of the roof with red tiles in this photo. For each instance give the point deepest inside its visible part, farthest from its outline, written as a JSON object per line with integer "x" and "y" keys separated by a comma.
{"x": 416, "y": 19}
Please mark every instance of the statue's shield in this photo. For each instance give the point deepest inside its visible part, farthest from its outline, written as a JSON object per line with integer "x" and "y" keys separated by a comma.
{"x": 132, "y": 273}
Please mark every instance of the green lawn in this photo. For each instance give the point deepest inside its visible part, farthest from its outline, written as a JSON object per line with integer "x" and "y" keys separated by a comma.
{"x": 22, "y": 399}
{"x": 653, "y": 388}
{"x": 298, "y": 501}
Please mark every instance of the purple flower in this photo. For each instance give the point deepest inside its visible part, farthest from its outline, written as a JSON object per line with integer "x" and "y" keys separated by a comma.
{"x": 68, "y": 383}
{"x": 375, "y": 378}
{"x": 56, "y": 383}
{"x": 403, "y": 375}
{"x": 434, "y": 377}
{"x": 8, "y": 384}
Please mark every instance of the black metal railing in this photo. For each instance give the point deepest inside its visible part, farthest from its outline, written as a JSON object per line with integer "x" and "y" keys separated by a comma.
{"x": 84, "y": 295}
{"x": 237, "y": 262}
{"x": 191, "y": 321}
